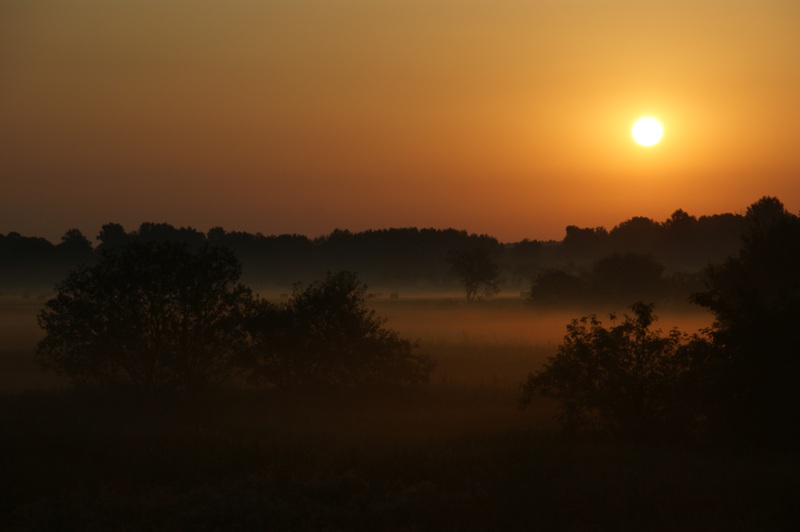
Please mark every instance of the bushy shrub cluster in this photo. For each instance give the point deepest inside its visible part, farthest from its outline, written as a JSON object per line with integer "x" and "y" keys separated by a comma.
{"x": 626, "y": 378}
{"x": 161, "y": 316}
{"x": 738, "y": 377}
{"x": 326, "y": 335}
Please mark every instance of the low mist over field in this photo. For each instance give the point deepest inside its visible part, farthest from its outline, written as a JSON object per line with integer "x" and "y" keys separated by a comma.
{"x": 498, "y": 340}
{"x": 474, "y": 385}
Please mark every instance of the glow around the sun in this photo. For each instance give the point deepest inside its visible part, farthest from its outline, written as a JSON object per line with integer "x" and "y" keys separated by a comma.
{"x": 647, "y": 131}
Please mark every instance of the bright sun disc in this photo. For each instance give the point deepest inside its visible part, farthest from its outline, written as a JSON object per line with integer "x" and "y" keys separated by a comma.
{"x": 647, "y": 131}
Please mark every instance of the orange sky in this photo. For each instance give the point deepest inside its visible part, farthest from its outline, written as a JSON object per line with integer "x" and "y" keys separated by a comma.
{"x": 507, "y": 117}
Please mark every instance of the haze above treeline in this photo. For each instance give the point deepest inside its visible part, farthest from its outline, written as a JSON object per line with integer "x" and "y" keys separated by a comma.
{"x": 393, "y": 258}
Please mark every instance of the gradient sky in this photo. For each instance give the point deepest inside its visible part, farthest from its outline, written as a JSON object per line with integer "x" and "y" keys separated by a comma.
{"x": 506, "y": 117}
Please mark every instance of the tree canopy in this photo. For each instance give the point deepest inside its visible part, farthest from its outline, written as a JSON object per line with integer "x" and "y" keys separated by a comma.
{"x": 153, "y": 316}
{"x": 160, "y": 315}
{"x": 739, "y": 376}
{"x": 755, "y": 298}
{"x": 626, "y": 379}
{"x": 325, "y": 335}
{"x": 477, "y": 270}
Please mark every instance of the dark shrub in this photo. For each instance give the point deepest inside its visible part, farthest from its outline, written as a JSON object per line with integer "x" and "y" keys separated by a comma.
{"x": 152, "y": 316}
{"x": 326, "y": 335}
{"x": 625, "y": 379}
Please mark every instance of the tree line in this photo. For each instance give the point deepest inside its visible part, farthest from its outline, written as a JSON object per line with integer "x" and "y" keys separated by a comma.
{"x": 401, "y": 258}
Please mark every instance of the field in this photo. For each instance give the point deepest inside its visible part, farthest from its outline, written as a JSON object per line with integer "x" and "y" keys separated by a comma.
{"x": 456, "y": 454}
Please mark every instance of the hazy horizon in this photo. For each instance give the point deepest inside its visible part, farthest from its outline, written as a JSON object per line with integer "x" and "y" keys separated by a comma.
{"x": 55, "y": 234}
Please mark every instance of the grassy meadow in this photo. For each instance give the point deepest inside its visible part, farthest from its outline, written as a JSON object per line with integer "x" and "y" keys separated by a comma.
{"x": 456, "y": 454}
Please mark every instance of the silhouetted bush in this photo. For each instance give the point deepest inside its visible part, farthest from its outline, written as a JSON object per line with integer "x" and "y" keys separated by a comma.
{"x": 626, "y": 379}
{"x": 325, "y": 335}
{"x": 153, "y": 316}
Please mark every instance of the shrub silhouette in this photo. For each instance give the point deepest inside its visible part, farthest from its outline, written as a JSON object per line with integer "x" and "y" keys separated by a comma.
{"x": 151, "y": 316}
{"x": 625, "y": 379}
{"x": 325, "y": 335}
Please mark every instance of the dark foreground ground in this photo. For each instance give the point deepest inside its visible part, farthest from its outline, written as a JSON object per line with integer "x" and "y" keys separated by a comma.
{"x": 440, "y": 458}
{"x": 455, "y": 455}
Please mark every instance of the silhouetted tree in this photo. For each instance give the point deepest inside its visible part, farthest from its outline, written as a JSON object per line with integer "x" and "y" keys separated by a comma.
{"x": 154, "y": 316}
{"x": 626, "y": 379}
{"x": 626, "y": 277}
{"x": 755, "y": 298}
{"x": 719, "y": 236}
{"x": 478, "y": 272}
{"x": 74, "y": 242}
{"x": 163, "y": 232}
{"x": 682, "y": 241}
{"x": 557, "y": 287}
{"x": 327, "y": 336}
{"x": 585, "y": 243}
{"x": 636, "y": 235}
{"x": 522, "y": 259}
{"x": 680, "y": 222}
{"x": 74, "y": 249}
{"x": 112, "y": 235}
{"x": 28, "y": 261}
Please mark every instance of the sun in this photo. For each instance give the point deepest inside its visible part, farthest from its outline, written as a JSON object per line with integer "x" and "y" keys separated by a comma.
{"x": 647, "y": 131}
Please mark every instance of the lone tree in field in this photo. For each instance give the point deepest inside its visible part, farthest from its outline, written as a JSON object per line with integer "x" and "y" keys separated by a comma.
{"x": 151, "y": 316}
{"x": 625, "y": 379}
{"x": 478, "y": 272}
{"x": 327, "y": 336}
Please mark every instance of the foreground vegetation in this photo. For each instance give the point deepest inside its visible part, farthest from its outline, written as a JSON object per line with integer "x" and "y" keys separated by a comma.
{"x": 456, "y": 454}
{"x": 437, "y": 459}
{"x": 311, "y": 414}
{"x": 160, "y": 317}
